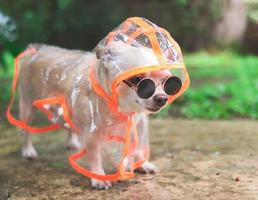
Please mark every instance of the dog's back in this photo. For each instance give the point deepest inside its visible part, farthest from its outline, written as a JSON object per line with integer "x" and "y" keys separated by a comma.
{"x": 52, "y": 71}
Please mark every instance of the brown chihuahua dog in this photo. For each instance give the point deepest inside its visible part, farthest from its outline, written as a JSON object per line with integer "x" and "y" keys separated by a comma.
{"x": 107, "y": 94}
{"x": 52, "y": 71}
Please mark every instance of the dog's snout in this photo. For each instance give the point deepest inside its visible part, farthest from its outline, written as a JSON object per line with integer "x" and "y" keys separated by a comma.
{"x": 160, "y": 100}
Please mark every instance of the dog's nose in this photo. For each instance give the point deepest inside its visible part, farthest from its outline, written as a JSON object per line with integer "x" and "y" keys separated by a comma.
{"x": 160, "y": 100}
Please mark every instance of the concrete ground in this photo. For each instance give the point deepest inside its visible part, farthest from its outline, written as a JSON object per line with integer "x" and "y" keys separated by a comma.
{"x": 197, "y": 160}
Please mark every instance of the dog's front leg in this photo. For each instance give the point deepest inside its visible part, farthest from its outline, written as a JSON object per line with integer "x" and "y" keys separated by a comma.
{"x": 95, "y": 164}
{"x": 142, "y": 124}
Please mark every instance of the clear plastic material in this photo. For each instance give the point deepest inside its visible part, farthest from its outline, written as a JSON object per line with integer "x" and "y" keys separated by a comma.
{"x": 80, "y": 91}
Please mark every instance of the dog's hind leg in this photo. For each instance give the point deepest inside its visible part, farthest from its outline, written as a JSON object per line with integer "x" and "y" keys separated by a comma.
{"x": 26, "y": 113}
{"x": 73, "y": 141}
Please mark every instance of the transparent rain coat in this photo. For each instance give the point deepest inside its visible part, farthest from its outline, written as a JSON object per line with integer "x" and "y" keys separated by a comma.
{"x": 69, "y": 80}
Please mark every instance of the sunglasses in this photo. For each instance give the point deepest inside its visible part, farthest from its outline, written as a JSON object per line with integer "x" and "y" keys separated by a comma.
{"x": 146, "y": 87}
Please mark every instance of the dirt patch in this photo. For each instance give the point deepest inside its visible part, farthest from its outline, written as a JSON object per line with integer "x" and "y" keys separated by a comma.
{"x": 196, "y": 160}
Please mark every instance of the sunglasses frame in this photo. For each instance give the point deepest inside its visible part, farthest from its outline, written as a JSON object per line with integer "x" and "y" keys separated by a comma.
{"x": 135, "y": 86}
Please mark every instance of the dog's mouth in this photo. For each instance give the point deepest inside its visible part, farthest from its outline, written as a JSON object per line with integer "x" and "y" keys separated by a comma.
{"x": 153, "y": 109}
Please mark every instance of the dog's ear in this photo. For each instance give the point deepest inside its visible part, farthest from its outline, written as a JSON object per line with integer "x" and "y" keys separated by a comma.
{"x": 100, "y": 52}
{"x": 108, "y": 52}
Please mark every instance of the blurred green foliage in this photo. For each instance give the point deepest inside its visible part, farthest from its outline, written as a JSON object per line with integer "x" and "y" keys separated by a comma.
{"x": 81, "y": 24}
{"x": 72, "y": 24}
{"x": 223, "y": 85}
{"x": 252, "y": 10}
{"x": 6, "y": 73}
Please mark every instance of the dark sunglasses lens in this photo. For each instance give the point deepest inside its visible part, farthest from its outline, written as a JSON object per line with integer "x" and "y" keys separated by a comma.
{"x": 172, "y": 85}
{"x": 145, "y": 88}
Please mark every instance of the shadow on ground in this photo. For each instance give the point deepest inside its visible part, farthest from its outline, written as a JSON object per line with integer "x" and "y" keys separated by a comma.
{"x": 196, "y": 159}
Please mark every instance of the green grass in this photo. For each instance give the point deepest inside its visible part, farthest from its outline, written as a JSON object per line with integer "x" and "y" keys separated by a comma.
{"x": 223, "y": 85}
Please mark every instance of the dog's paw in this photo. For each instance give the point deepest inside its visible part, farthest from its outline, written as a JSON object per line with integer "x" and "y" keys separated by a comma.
{"x": 147, "y": 168}
{"x": 29, "y": 152}
{"x": 101, "y": 184}
{"x": 74, "y": 143}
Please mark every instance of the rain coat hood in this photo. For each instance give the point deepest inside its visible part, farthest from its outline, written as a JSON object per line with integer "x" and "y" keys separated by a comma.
{"x": 147, "y": 38}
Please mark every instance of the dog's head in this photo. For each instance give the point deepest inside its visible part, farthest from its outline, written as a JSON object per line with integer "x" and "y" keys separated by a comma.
{"x": 140, "y": 101}
{"x": 117, "y": 58}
